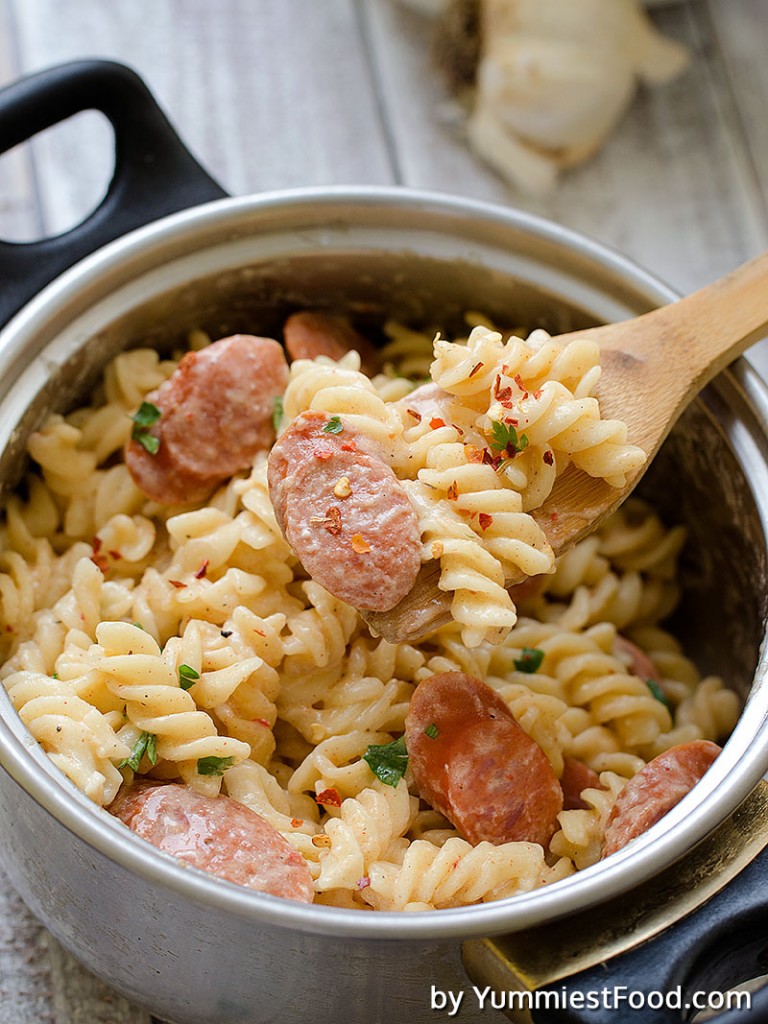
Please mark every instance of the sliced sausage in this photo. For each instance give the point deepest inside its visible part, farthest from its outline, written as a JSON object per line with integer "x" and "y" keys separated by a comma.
{"x": 302, "y": 440}
{"x": 575, "y": 779}
{"x": 345, "y": 514}
{"x": 474, "y": 764}
{"x": 639, "y": 662}
{"x": 215, "y": 834}
{"x": 655, "y": 790}
{"x": 310, "y": 334}
{"x": 216, "y": 414}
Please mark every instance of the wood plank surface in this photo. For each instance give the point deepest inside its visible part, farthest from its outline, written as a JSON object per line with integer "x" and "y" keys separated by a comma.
{"x": 739, "y": 29}
{"x": 268, "y": 95}
{"x": 26, "y": 983}
{"x": 671, "y": 188}
{"x": 19, "y": 206}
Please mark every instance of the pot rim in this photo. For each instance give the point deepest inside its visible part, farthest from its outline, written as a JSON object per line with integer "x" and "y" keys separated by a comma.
{"x": 728, "y": 782}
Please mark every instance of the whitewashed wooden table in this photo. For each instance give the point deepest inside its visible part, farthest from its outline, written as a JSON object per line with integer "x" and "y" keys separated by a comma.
{"x": 281, "y": 93}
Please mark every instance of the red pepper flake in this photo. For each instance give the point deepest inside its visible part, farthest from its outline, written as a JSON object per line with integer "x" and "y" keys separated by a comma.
{"x": 331, "y": 520}
{"x": 349, "y": 446}
{"x": 202, "y": 572}
{"x": 537, "y": 394}
{"x": 260, "y": 632}
{"x": 297, "y": 822}
{"x": 333, "y": 526}
{"x": 262, "y": 721}
{"x": 504, "y": 395}
{"x": 115, "y": 554}
{"x": 553, "y": 517}
{"x": 99, "y": 560}
{"x": 473, "y": 453}
{"x": 436, "y": 422}
{"x": 492, "y": 460}
{"x": 485, "y": 520}
{"x": 549, "y": 457}
{"x": 10, "y": 629}
{"x": 323, "y": 454}
{"x": 363, "y": 883}
{"x": 512, "y": 422}
{"x": 360, "y": 544}
{"x": 458, "y": 430}
{"x": 519, "y": 382}
{"x": 178, "y": 584}
{"x": 476, "y": 369}
{"x": 416, "y": 415}
{"x": 329, "y": 798}
{"x": 453, "y": 492}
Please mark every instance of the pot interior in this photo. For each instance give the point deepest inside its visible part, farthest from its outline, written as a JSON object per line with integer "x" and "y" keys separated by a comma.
{"x": 243, "y": 266}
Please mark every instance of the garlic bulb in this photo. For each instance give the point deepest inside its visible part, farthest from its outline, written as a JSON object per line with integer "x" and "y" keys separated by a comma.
{"x": 555, "y": 76}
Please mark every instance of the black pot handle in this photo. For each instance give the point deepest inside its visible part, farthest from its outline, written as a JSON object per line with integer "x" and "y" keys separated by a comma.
{"x": 719, "y": 945}
{"x": 154, "y": 173}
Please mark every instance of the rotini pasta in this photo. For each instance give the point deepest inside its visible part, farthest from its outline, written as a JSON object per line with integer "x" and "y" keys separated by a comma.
{"x": 186, "y": 644}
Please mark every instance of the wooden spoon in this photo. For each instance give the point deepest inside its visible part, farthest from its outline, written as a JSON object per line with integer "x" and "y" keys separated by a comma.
{"x": 653, "y": 366}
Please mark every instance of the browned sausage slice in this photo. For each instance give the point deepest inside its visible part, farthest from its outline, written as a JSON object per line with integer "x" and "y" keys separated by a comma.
{"x": 640, "y": 664}
{"x": 302, "y": 440}
{"x": 655, "y": 790}
{"x": 218, "y": 835}
{"x": 575, "y": 779}
{"x": 345, "y": 514}
{"x": 474, "y": 764}
{"x": 309, "y": 334}
{"x": 215, "y": 415}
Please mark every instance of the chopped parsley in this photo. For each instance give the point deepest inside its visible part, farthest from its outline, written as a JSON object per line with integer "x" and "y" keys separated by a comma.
{"x": 146, "y": 416}
{"x": 152, "y": 747}
{"x": 505, "y": 439}
{"x": 388, "y": 762}
{"x": 530, "y": 660}
{"x": 187, "y": 676}
{"x": 657, "y": 692}
{"x": 432, "y": 731}
{"x": 214, "y": 765}
{"x": 278, "y": 414}
{"x": 333, "y": 426}
{"x": 145, "y": 744}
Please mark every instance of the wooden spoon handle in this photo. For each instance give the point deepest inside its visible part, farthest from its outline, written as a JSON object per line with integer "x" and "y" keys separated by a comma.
{"x": 653, "y": 366}
{"x": 710, "y": 327}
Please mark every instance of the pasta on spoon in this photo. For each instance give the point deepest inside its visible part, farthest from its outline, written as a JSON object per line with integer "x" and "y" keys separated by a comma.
{"x": 476, "y": 451}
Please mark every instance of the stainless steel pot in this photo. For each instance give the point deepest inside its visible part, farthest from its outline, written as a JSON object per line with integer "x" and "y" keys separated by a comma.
{"x": 194, "y": 949}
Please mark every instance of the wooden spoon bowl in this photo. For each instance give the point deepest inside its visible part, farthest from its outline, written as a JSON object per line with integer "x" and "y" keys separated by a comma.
{"x": 653, "y": 367}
